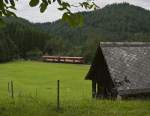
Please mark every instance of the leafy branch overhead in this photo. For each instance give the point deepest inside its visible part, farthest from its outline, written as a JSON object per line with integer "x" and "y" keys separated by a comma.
{"x": 8, "y": 6}
{"x": 6, "y": 9}
{"x": 68, "y": 16}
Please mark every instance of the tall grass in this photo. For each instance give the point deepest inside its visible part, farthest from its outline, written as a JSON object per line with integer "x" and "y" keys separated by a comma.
{"x": 30, "y": 106}
{"x": 35, "y": 92}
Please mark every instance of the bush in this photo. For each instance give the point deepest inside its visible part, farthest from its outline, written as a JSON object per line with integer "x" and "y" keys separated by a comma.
{"x": 34, "y": 54}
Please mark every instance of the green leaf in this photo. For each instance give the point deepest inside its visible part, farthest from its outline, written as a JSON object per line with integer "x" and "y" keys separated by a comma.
{"x": 59, "y": 2}
{"x": 43, "y": 7}
{"x": 65, "y": 4}
{"x": 49, "y": 1}
{"x": 4, "y": 12}
{"x": 68, "y": 19}
{"x": 12, "y": 2}
{"x": 45, "y": 1}
{"x": 61, "y": 8}
{"x": 1, "y": 5}
{"x": 6, "y": 1}
{"x": 65, "y": 17}
{"x": 34, "y": 3}
{"x": 73, "y": 20}
{"x": 12, "y": 7}
{"x": 1, "y": 13}
{"x": 9, "y": 13}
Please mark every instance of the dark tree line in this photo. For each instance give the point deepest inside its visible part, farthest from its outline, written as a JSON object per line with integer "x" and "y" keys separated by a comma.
{"x": 117, "y": 22}
{"x": 21, "y": 40}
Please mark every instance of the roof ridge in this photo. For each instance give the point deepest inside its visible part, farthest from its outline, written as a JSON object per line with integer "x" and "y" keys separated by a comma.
{"x": 125, "y": 44}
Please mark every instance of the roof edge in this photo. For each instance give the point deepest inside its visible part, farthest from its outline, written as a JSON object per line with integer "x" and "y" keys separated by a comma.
{"x": 125, "y": 44}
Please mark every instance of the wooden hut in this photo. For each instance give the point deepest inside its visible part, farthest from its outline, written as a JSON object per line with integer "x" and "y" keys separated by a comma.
{"x": 121, "y": 70}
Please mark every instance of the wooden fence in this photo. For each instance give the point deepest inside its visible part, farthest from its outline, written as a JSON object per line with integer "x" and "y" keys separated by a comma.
{"x": 63, "y": 59}
{"x": 11, "y": 93}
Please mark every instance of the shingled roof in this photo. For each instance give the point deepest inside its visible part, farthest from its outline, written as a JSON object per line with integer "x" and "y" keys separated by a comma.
{"x": 128, "y": 65}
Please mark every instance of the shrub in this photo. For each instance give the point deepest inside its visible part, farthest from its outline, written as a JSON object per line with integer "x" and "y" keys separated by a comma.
{"x": 34, "y": 54}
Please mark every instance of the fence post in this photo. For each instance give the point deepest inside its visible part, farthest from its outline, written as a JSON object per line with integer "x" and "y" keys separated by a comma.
{"x": 12, "y": 89}
{"x": 58, "y": 95}
{"x": 8, "y": 89}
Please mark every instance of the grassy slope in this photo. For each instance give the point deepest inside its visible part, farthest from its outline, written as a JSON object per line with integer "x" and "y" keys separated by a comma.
{"x": 75, "y": 92}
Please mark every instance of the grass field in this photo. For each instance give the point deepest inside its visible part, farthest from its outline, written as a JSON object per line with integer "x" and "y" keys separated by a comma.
{"x": 35, "y": 92}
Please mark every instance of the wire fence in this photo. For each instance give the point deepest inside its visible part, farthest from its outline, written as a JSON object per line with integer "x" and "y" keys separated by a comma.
{"x": 56, "y": 94}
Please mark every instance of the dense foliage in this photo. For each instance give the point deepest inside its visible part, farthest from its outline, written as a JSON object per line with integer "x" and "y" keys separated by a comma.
{"x": 19, "y": 38}
{"x": 117, "y": 22}
{"x": 8, "y": 7}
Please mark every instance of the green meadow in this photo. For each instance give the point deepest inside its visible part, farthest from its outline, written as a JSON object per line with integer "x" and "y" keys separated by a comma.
{"x": 35, "y": 92}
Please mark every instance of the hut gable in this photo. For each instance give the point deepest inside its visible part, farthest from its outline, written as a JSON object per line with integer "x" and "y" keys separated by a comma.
{"x": 128, "y": 66}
